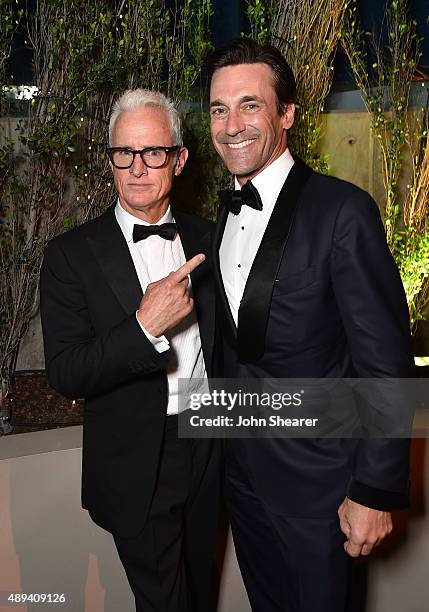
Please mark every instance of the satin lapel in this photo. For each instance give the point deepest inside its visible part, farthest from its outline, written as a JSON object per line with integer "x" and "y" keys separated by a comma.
{"x": 255, "y": 305}
{"x": 193, "y": 242}
{"x": 228, "y": 322}
{"x": 111, "y": 251}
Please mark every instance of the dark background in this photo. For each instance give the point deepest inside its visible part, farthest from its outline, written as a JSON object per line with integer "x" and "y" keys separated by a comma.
{"x": 229, "y": 21}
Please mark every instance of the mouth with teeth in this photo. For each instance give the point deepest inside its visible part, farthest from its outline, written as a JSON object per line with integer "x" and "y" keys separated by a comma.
{"x": 240, "y": 145}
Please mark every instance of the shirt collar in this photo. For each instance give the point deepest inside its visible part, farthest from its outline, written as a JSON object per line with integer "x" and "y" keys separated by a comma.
{"x": 270, "y": 181}
{"x": 127, "y": 221}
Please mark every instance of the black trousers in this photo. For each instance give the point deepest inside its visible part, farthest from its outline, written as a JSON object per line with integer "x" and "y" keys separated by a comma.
{"x": 169, "y": 565}
{"x": 288, "y": 563}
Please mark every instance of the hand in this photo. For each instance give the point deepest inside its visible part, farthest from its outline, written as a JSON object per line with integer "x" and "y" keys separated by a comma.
{"x": 167, "y": 302}
{"x": 364, "y": 527}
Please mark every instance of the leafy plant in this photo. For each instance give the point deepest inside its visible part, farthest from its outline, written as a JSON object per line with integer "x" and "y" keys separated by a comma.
{"x": 401, "y": 133}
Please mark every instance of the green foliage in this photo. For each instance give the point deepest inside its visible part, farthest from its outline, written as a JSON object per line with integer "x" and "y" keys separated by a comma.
{"x": 386, "y": 95}
{"x": 387, "y": 91}
{"x": 259, "y": 13}
{"x": 412, "y": 254}
{"x": 9, "y": 21}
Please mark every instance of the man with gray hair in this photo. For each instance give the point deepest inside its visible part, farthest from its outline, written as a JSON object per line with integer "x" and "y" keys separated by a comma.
{"x": 120, "y": 328}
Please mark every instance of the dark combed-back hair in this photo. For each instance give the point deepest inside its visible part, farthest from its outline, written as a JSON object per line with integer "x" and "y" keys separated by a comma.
{"x": 248, "y": 51}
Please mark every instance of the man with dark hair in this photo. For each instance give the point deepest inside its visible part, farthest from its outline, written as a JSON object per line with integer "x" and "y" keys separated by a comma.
{"x": 120, "y": 329}
{"x": 308, "y": 289}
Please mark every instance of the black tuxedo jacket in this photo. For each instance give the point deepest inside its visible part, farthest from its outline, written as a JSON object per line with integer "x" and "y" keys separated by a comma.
{"x": 95, "y": 349}
{"x": 323, "y": 299}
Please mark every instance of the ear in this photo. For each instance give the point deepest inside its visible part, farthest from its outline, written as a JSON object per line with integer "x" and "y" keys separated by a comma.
{"x": 181, "y": 161}
{"x": 288, "y": 116}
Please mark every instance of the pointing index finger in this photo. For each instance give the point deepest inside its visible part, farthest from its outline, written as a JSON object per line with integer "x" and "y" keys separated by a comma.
{"x": 188, "y": 267}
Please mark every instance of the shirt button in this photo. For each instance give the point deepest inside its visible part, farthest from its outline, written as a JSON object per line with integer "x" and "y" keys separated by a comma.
{"x": 242, "y": 227}
{"x": 239, "y": 265}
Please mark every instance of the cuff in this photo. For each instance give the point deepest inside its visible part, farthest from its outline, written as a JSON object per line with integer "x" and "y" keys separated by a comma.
{"x": 160, "y": 344}
{"x": 378, "y": 499}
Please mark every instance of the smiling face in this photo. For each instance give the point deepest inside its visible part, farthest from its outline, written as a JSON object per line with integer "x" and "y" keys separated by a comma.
{"x": 145, "y": 192}
{"x": 247, "y": 130}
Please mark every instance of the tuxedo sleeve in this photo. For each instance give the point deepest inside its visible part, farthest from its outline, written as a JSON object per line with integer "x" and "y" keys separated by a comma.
{"x": 374, "y": 311}
{"x": 81, "y": 363}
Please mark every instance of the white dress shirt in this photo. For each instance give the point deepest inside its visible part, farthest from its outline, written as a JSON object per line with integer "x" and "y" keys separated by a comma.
{"x": 243, "y": 232}
{"x": 154, "y": 258}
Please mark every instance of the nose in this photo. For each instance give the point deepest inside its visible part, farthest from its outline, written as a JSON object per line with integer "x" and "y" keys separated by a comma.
{"x": 138, "y": 168}
{"x": 234, "y": 124}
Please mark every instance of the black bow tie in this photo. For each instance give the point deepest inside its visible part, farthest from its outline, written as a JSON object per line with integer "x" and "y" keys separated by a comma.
{"x": 234, "y": 200}
{"x": 166, "y": 231}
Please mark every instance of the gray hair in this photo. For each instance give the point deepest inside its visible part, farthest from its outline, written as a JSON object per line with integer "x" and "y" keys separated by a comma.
{"x": 133, "y": 99}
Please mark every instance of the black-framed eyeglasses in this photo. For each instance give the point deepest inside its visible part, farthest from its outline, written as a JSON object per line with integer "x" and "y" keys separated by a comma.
{"x": 152, "y": 157}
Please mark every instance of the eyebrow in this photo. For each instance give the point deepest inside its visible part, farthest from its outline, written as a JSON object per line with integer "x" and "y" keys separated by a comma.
{"x": 241, "y": 100}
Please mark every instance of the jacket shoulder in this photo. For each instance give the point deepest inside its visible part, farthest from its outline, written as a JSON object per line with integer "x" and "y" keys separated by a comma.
{"x": 332, "y": 194}
{"x": 78, "y": 234}
{"x": 334, "y": 185}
